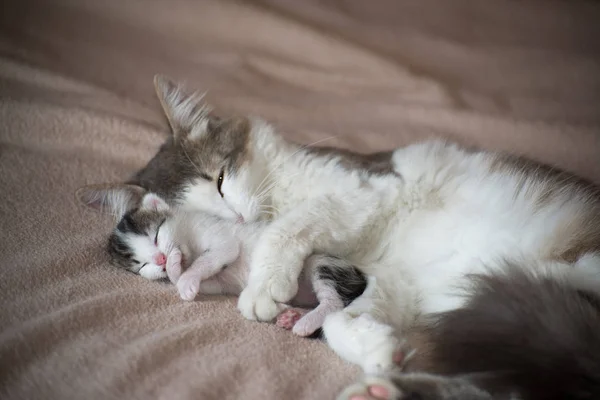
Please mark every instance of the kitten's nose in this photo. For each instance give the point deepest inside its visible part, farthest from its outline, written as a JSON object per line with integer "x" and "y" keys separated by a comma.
{"x": 160, "y": 259}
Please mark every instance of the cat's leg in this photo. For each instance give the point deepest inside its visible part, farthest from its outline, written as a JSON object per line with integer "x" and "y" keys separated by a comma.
{"x": 363, "y": 340}
{"x": 320, "y": 224}
{"x": 367, "y": 331}
{"x": 336, "y": 283}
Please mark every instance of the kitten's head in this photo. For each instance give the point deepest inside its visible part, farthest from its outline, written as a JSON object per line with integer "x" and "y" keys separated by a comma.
{"x": 140, "y": 241}
{"x": 210, "y": 163}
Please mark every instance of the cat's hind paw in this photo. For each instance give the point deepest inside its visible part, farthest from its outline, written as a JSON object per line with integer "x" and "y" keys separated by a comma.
{"x": 371, "y": 388}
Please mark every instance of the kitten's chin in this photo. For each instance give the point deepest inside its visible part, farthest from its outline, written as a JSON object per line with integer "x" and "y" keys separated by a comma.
{"x": 153, "y": 272}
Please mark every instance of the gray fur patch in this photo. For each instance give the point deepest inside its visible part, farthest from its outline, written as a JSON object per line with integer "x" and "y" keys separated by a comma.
{"x": 182, "y": 160}
{"x": 135, "y": 222}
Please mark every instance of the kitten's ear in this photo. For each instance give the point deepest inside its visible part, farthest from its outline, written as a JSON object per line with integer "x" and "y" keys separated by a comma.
{"x": 151, "y": 201}
{"x": 115, "y": 199}
{"x": 188, "y": 114}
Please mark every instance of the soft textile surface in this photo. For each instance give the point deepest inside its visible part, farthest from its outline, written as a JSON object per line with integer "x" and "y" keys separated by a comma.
{"x": 77, "y": 107}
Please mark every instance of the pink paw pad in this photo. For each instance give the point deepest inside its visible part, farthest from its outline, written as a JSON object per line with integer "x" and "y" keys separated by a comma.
{"x": 379, "y": 392}
{"x": 374, "y": 392}
{"x": 288, "y": 318}
{"x": 398, "y": 357}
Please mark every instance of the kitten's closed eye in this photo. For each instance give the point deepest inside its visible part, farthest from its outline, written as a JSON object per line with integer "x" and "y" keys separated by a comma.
{"x": 137, "y": 262}
{"x": 157, "y": 230}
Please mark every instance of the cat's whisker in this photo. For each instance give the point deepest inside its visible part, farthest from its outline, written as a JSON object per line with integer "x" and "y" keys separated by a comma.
{"x": 272, "y": 214}
{"x": 290, "y": 156}
{"x": 190, "y": 160}
{"x": 269, "y": 188}
{"x": 271, "y": 209}
{"x": 293, "y": 154}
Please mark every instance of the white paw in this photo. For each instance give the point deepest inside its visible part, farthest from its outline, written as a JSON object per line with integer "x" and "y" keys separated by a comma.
{"x": 276, "y": 273}
{"x": 259, "y": 300}
{"x": 308, "y": 324}
{"x": 188, "y": 287}
{"x": 371, "y": 388}
{"x": 173, "y": 267}
{"x": 258, "y": 305}
{"x": 282, "y": 288}
{"x": 382, "y": 359}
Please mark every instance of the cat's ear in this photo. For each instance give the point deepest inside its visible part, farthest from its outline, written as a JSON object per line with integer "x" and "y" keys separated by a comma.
{"x": 115, "y": 199}
{"x": 188, "y": 114}
{"x": 152, "y": 201}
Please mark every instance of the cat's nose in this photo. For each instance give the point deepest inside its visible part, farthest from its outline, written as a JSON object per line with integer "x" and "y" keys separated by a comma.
{"x": 160, "y": 259}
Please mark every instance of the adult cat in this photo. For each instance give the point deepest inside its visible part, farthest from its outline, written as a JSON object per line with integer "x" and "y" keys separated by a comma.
{"x": 419, "y": 219}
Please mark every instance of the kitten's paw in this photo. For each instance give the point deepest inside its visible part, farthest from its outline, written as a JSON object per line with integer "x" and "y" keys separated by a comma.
{"x": 289, "y": 318}
{"x": 371, "y": 388}
{"x": 308, "y": 324}
{"x": 188, "y": 287}
{"x": 258, "y": 305}
{"x": 173, "y": 267}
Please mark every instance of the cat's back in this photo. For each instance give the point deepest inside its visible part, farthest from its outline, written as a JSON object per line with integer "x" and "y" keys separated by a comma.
{"x": 487, "y": 199}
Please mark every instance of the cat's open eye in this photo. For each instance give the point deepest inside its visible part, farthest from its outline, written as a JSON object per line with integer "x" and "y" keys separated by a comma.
{"x": 220, "y": 181}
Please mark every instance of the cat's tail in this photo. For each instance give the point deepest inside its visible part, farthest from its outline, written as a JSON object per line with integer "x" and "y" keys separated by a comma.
{"x": 539, "y": 335}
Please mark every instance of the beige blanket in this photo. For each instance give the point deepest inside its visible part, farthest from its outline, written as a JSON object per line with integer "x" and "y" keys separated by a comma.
{"x": 77, "y": 106}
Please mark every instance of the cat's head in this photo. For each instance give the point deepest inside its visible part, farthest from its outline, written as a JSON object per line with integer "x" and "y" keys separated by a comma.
{"x": 141, "y": 240}
{"x": 212, "y": 164}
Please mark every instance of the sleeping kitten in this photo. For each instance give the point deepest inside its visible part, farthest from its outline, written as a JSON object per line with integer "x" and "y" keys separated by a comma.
{"x": 419, "y": 220}
{"x": 202, "y": 253}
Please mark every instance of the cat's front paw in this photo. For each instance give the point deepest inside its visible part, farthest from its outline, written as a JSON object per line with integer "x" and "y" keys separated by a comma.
{"x": 258, "y": 305}
{"x": 259, "y": 300}
{"x": 188, "y": 287}
{"x": 282, "y": 288}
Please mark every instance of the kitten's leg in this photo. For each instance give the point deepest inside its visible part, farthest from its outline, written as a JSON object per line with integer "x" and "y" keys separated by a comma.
{"x": 205, "y": 267}
{"x": 211, "y": 286}
{"x": 174, "y": 269}
{"x": 336, "y": 284}
{"x": 277, "y": 261}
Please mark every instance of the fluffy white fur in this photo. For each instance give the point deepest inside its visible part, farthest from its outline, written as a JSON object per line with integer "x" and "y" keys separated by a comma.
{"x": 203, "y": 253}
{"x": 445, "y": 213}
